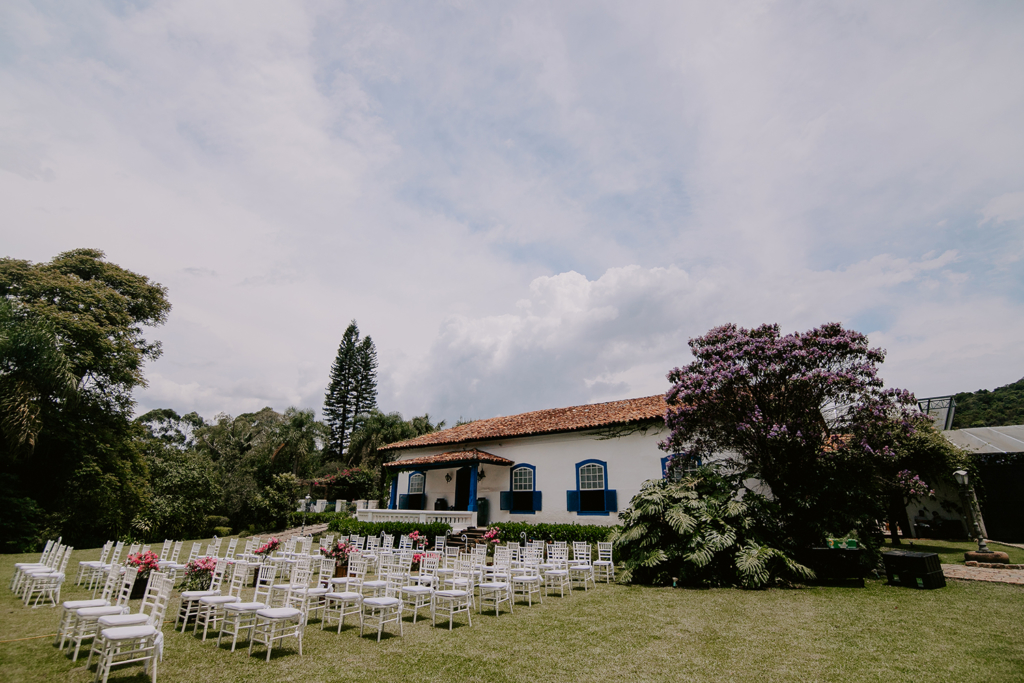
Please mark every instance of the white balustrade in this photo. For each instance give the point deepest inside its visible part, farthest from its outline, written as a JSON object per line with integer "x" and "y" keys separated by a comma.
{"x": 458, "y": 520}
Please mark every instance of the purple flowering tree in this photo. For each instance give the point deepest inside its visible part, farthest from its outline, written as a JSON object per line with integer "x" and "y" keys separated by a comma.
{"x": 805, "y": 413}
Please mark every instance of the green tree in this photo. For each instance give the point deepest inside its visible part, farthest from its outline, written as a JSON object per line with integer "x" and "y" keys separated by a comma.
{"x": 352, "y": 389}
{"x": 34, "y": 371}
{"x": 184, "y": 482}
{"x": 374, "y": 431}
{"x": 96, "y": 480}
{"x": 984, "y": 408}
{"x": 250, "y": 449}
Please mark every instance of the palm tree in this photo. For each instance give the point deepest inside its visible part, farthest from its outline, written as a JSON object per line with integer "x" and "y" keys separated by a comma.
{"x": 34, "y": 372}
{"x": 374, "y": 431}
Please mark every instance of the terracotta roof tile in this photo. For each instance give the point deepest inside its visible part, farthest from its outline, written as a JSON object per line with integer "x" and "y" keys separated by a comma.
{"x": 550, "y": 421}
{"x": 454, "y": 457}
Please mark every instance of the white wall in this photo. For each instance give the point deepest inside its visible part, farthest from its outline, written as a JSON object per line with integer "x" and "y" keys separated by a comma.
{"x": 630, "y": 460}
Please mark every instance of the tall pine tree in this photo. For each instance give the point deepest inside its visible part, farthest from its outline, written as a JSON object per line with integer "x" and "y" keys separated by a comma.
{"x": 353, "y": 388}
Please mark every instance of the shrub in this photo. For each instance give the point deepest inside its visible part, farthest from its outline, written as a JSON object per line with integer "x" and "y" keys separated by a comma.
{"x": 350, "y": 526}
{"x": 696, "y": 531}
{"x": 221, "y": 531}
{"x": 295, "y": 518}
{"x": 214, "y": 521}
{"x": 570, "y": 533}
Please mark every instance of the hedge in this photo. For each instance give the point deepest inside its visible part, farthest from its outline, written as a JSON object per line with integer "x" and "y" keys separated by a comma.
{"x": 511, "y": 531}
{"x": 349, "y": 526}
{"x": 295, "y": 518}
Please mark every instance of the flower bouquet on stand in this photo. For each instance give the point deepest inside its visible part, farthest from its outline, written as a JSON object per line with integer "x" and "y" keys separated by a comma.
{"x": 199, "y": 574}
{"x": 419, "y": 540}
{"x": 416, "y": 561}
{"x": 340, "y": 552}
{"x": 268, "y": 548}
{"x": 147, "y": 563}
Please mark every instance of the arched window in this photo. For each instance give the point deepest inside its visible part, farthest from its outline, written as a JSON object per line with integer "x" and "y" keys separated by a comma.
{"x": 592, "y": 495}
{"x": 522, "y": 498}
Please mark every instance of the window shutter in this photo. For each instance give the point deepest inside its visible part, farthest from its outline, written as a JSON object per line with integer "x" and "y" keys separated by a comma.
{"x": 506, "y": 500}
{"x": 403, "y": 501}
{"x": 572, "y": 501}
{"x": 536, "y": 501}
{"x": 611, "y": 501}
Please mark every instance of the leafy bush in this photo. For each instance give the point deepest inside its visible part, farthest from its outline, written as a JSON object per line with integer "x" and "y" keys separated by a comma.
{"x": 295, "y": 518}
{"x": 273, "y": 503}
{"x": 696, "y": 531}
{"x": 214, "y": 521}
{"x": 350, "y": 526}
{"x": 19, "y": 528}
{"x": 512, "y": 531}
{"x": 222, "y": 531}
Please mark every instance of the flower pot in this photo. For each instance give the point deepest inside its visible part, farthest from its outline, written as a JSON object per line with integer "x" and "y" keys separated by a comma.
{"x": 139, "y": 587}
{"x": 340, "y": 569}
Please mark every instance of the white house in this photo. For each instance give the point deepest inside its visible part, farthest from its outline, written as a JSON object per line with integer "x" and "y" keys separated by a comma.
{"x": 579, "y": 464}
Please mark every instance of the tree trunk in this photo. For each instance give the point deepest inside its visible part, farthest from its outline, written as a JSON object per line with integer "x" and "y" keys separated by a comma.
{"x": 898, "y": 516}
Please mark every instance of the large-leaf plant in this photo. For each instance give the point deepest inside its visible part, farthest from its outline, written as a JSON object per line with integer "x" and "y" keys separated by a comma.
{"x": 702, "y": 529}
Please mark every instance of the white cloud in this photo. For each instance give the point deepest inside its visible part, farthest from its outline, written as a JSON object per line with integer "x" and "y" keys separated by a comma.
{"x": 1005, "y": 207}
{"x": 470, "y": 182}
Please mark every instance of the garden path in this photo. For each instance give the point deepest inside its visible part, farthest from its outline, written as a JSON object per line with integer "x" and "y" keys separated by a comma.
{"x": 959, "y": 571}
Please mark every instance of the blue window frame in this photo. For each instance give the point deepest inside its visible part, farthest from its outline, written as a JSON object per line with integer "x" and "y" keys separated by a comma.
{"x": 684, "y": 464}
{"x": 592, "y": 495}
{"x": 416, "y": 487}
{"x": 522, "y": 497}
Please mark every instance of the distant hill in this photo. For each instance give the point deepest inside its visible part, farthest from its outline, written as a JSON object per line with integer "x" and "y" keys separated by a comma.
{"x": 1002, "y": 406}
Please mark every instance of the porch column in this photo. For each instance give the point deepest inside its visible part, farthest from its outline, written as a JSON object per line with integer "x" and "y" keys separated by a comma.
{"x": 472, "y": 487}
{"x": 393, "y": 502}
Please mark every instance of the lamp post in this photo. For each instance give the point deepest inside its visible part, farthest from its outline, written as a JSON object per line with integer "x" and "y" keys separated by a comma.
{"x": 965, "y": 495}
{"x": 305, "y": 509}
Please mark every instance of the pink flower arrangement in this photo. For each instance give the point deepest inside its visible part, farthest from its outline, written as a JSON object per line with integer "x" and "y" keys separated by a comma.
{"x": 492, "y": 535}
{"x": 419, "y": 539}
{"x": 199, "y": 573}
{"x": 268, "y": 547}
{"x": 340, "y": 551}
{"x": 146, "y": 562}
{"x": 417, "y": 557}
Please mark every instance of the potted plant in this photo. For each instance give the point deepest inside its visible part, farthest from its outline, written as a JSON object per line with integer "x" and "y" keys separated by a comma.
{"x": 146, "y": 562}
{"x": 340, "y": 552}
{"x": 199, "y": 573}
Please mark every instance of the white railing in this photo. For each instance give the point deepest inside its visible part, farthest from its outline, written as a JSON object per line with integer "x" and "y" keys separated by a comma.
{"x": 457, "y": 520}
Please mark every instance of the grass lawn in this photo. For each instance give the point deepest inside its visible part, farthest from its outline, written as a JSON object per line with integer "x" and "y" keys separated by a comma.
{"x": 969, "y": 631}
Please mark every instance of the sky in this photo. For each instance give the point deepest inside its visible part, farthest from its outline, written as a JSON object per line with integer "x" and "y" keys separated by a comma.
{"x": 525, "y": 205}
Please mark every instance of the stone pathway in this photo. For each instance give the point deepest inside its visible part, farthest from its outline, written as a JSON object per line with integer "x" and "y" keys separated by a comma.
{"x": 959, "y": 571}
{"x": 311, "y": 529}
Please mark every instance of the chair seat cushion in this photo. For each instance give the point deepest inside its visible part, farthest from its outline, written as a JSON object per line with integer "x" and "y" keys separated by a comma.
{"x": 128, "y": 632}
{"x": 312, "y": 591}
{"x": 493, "y": 585}
{"x": 81, "y": 604}
{"x": 556, "y": 572}
{"x": 123, "y": 620}
{"x": 347, "y": 596}
{"x": 451, "y": 594}
{"x": 339, "y": 581}
{"x": 417, "y": 590}
{"x": 375, "y": 584}
{"x": 382, "y": 602}
{"x": 195, "y": 595}
{"x": 581, "y": 567}
{"x": 602, "y": 562}
{"x": 525, "y": 579}
{"x": 219, "y": 599}
{"x": 279, "y": 613}
{"x": 244, "y": 606}
{"x": 98, "y": 612}
{"x": 90, "y": 563}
